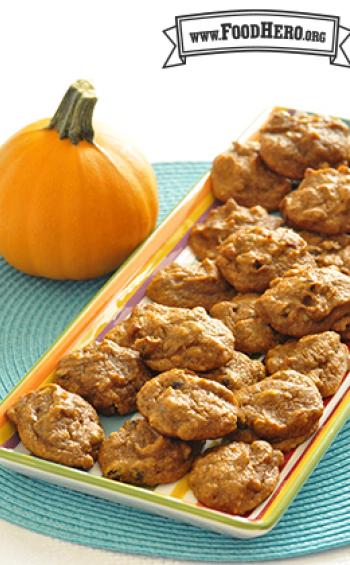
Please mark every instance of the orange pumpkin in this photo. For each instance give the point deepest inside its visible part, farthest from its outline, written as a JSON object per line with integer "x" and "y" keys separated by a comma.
{"x": 74, "y": 203}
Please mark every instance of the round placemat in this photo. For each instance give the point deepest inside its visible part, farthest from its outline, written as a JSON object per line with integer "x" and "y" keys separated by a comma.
{"x": 33, "y": 313}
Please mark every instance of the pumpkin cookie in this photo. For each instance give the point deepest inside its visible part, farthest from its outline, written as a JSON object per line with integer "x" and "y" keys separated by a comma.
{"x": 59, "y": 426}
{"x": 237, "y": 477}
{"x": 105, "y": 374}
{"x": 292, "y": 142}
{"x": 252, "y": 334}
{"x": 224, "y": 220}
{"x": 284, "y": 406}
{"x": 239, "y": 372}
{"x": 242, "y": 174}
{"x": 253, "y": 256}
{"x": 322, "y": 357}
{"x": 342, "y": 326}
{"x": 329, "y": 250}
{"x": 306, "y": 301}
{"x": 180, "y": 404}
{"x": 169, "y": 338}
{"x": 321, "y": 203}
{"x": 139, "y": 455}
{"x": 195, "y": 285}
{"x": 248, "y": 436}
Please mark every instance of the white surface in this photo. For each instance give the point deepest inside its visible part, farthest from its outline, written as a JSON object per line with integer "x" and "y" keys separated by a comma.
{"x": 189, "y": 112}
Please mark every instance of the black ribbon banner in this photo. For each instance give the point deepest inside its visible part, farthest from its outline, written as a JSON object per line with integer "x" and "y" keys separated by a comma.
{"x": 258, "y": 30}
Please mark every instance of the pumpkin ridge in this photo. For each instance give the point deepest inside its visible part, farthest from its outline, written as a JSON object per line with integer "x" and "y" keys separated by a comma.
{"x": 131, "y": 194}
{"x": 28, "y": 195}
{"x": 147, "y": 206}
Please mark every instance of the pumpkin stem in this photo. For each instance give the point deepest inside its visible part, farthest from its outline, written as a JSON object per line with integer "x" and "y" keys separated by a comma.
{"x": 73, "y": 117}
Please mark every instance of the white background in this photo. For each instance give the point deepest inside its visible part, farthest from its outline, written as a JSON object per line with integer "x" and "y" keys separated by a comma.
{"x": 188, "y": 112}
{"x": 184, "y": 113}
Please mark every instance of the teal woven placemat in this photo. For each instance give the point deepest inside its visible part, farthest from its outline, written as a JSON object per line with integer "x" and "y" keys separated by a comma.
{"x": 32, "y": 313}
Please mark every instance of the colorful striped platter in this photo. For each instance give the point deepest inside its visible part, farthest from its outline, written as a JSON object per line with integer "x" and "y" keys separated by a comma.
{"x": 111, "y": 305}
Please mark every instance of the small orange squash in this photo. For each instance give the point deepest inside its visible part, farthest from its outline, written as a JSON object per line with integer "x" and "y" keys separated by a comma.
{"x": 73, "y": 202}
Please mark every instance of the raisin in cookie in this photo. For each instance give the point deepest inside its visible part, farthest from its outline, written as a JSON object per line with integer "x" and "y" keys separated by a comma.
{"x": 180, "y": 404}
{"x": 253, "y": 256}
{"x": 139, "y": 455}
{"x": 306, "y": 301}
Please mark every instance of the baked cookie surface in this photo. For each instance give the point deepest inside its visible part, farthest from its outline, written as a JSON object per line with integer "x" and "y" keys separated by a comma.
{"x": 322, "y": 357}
{"x": 321, "y": 203}
{"x": 180, "y": 404}
{"x": 290, "y": 143}
{"x": 342, "y": 326}
{"x": 206, "y": 237}
{"x": 306, "y": 301}
{"x": 139, "y": 455}
{"x": 252, "y": 334}
{"x": 247, "y": 435}
{"x": 329, "y": 250}
{"x": 237, "y": 477}
{"x": 253, "y": 256}
{"x": 169, "y": 338}
{"x": 239, "y": 372}
{"x": 200, "y": 284}
{"x": 59, "y": 426}
{"x": 106, "y": 375}
{"x": 242, "y": 174}
{"x": 283, "y": 406}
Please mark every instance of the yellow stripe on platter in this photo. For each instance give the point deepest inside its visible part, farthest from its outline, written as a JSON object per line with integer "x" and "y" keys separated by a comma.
{"x": 181, "y": 488}
{"x": 7, "y": 430}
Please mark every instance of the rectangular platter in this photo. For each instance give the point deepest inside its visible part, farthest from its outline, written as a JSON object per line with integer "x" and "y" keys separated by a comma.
{"x": 111, "y": 305}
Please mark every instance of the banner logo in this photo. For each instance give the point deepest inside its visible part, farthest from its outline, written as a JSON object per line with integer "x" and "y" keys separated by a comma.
{"x": 258, "y": 30}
